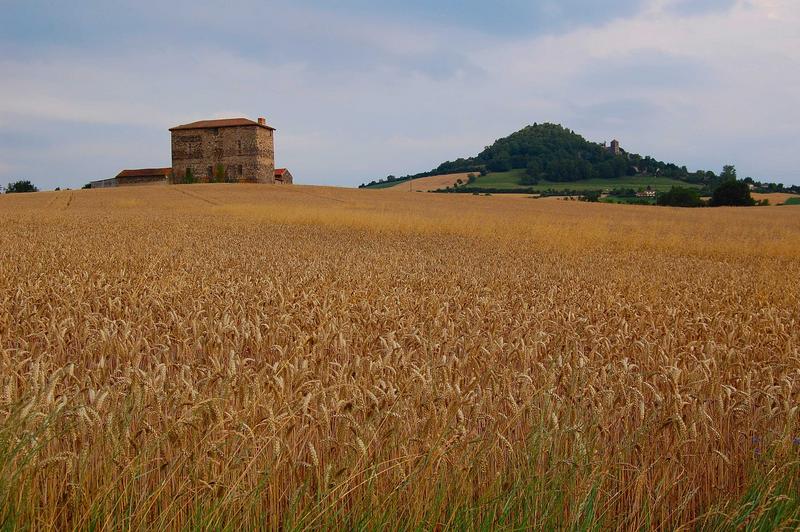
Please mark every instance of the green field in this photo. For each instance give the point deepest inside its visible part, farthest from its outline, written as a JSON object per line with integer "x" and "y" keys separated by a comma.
{"x": 510, "y": 180}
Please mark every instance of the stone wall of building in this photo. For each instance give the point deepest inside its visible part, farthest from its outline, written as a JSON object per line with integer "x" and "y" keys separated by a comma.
{"x": 284, "y": 176}
{"x": 104, "y": 183}
{"x": 141, "y": 180}
{"x": 244, "y": 154}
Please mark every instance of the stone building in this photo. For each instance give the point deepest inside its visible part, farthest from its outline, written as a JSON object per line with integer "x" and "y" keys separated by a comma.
{"x": 282, "y": 175}
{"x": 228, "y": 150}
{"x": 144, "y": 176}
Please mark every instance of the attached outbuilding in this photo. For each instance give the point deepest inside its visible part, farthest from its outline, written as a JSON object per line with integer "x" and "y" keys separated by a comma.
{"x": 282, "y": 175}
{"x": 141, "y": 176}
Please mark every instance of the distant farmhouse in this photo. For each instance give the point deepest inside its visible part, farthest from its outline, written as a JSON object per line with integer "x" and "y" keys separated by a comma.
{"x": 231, "y": 150}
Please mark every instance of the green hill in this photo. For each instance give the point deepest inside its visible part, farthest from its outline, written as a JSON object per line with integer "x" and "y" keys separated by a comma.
{"x": 547, "y": 156}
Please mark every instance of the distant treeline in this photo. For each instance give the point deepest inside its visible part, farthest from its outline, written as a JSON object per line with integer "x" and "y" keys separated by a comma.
{"x": 466, "y": 189}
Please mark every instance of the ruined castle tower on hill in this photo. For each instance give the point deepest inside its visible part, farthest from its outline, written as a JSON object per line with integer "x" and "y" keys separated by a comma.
{"x": 228, "y": 150}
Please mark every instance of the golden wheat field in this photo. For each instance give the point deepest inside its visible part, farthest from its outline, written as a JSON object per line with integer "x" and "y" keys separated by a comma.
{"x": 253, "y": 356}
{"x": 429, "y": 184}
{"x": 774, "y": 198}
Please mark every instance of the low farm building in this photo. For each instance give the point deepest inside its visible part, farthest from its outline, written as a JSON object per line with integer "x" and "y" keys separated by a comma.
{"x": 282, "y": 175}
{"x": 143, "y": 176}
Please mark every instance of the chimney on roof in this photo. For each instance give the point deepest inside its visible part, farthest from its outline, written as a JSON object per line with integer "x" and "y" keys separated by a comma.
{"x": 262, "y": 121}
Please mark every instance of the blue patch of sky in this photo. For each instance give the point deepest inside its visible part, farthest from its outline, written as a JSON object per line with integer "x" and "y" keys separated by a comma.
{"x": 498, "y": 17}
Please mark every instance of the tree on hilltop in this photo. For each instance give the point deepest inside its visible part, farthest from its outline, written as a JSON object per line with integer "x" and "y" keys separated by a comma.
{"x": 728, "y": 173}
{"x": 21, "y": 186}
{"x": 732, "y": 194}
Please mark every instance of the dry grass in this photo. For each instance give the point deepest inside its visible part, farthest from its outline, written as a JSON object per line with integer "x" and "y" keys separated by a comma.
{"x": 775, "y": 198}
{"x": 427, "y": 184}
{"x": 303, "y": 357}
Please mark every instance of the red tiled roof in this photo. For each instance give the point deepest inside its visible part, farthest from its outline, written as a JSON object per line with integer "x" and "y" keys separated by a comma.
{"x": 280, "y": 171}
{"x": 146, "y": 172}
{"x": 225, "y": 122}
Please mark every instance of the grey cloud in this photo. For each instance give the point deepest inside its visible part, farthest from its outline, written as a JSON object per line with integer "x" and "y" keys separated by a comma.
{"x": 646, "y": 69}
{"x": 69, "y": 154}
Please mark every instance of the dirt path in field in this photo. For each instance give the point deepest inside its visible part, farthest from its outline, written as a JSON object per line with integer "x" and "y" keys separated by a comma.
{"x": 196, "y": 196}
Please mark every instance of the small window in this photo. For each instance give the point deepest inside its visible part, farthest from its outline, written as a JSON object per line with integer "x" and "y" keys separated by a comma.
{"x": 210, "y": 171}
{"x": 240, "y": 170}
{"x": 240, "y": 149}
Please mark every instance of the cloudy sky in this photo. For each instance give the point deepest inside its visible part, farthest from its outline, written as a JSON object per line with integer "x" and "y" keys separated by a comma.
{"x": 359, "y": 89}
